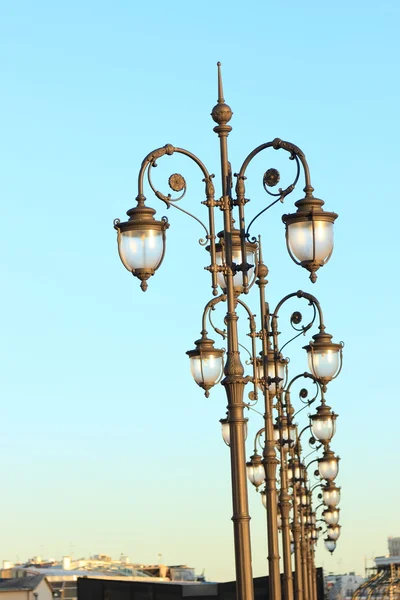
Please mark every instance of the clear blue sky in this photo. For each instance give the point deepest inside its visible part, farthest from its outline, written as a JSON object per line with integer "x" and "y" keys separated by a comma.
{"x": 107, "y": 444}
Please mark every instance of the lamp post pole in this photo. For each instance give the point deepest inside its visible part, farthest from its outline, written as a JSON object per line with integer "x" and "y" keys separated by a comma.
{"x": 296, "y": 528}
{"x": 284, "y": 498}
{"x": 303, "y": 546}
{"x": 312, "y": 571}
{"x": 269, "y": 456}
{"x": 234, "y": 381}
{"x": 309, "y": 568}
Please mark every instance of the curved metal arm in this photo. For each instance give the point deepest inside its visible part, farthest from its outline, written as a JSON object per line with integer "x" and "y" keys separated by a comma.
{"x": 177, "y": 183}
{"x": 312, "y": 452}
{"x": 302, "y": 330}
{"x": 306, "y": 375}
{"x": 247, "y": 233}
{"x": 168, "y": 149}
{"x": 222, "y": 298}
{"x": 278, "y": 144}
{"x": 210, "y": 306}
{"x": 302, "y": 431}
{"x": 271, "y": 177}
{"x": 300, "y": 294}
{"x": 253, "y": 335}
{"x": 303, "y": 393}
{"x": 247, "y": 309}
{"x": 296, "y": 317}
{"x": 319, "y": 484}
{"x": 257, "y": 438}
{"x": 251, "y": 407}
{"x": 313, "y": 461}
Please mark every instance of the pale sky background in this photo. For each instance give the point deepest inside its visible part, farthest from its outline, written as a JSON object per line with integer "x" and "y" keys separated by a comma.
{"x": 107, "y": 444}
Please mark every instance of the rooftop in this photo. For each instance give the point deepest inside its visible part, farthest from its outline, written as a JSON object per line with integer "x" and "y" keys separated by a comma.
{"x": 21, "y": 583}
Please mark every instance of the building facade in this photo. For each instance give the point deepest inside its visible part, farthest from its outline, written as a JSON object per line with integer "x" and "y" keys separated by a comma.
{"x": 26, "y": 588}
{"x": 342, "y": 587}
{"x": 384, "y": 581}
{"x": 63, "y": 575}
{"x": 394, "y": 546}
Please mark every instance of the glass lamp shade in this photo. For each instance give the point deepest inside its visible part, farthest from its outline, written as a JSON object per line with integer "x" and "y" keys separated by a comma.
{"x": 291, "y": 547}
{"x": 296, "y": 470}
{"x": 255, "y": 471}
{"x": 331, "y": 495}
{"x": 206, "y": 363}
{"x": 311, "y": 519}
{"x": 285, "y": 435}
{"x": 141, "y": 242}
{"x": 328, "y": 465}
{"x": 324, "y": 357}
{"x": 237, "y": 259}
{"x": 142, "y": 249}
{"x": 264, "y": 498}
{"x": 330, "y": 545}
{"x": 310, "y": 240}
{"x": 331, "y": 516}
{"x": 314, "y": 534}
{"x": 281, "y": 370}
{"x": 301, "y": 498}
{"x": 206, "y": 369}
{"x": 309, "y": 234}
{"x": 226, "y": 431}
{"x": 293, "y": 470}
{"x": 333, "y": 532}
{"x": 323, "y": 424}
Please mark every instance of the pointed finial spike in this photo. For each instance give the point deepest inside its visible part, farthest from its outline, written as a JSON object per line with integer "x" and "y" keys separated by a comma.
{"x": 221, "y": 98}
{"x": 221, "y": 113}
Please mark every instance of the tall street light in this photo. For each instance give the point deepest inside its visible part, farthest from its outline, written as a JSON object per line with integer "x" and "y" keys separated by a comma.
{"x": 235, "y": 263}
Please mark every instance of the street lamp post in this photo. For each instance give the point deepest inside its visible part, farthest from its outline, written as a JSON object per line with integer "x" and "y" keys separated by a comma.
{"x": 235, "y": 264}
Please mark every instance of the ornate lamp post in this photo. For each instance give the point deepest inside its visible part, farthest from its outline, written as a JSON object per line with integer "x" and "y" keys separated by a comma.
{"x": 235, "y": 263}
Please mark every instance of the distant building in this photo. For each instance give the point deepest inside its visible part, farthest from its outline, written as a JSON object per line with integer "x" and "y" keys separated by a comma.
{"x": 384, "y": 580}
{"x": 171, "y": 573}
{"x": 342, "y": 587}
{"x": 26, "y": 588}
{"x": 393, "y": 558}
{"x": 103, "y": 564}
{"x": 63, "y": 575}
{"x": 394, "y": 546}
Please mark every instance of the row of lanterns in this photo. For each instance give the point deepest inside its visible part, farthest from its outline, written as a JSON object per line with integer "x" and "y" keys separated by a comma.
{"x": 309, "y": 237}
{"x": 324, "y": 360}
{"x": 328, "y": 466}
{"x": 323, "y": 427}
